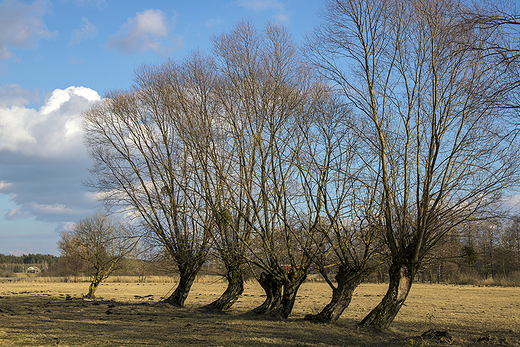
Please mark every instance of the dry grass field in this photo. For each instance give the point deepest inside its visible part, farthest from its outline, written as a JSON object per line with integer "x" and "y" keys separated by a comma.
{"x": 38, "y": 312}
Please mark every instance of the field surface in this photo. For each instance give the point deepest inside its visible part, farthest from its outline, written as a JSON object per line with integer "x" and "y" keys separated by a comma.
{"x": 34, "y": 313}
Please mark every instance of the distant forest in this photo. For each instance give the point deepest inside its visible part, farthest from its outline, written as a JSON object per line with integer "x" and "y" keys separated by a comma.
{"x": 486, "y": 253}
{"x": 13, "y": 263}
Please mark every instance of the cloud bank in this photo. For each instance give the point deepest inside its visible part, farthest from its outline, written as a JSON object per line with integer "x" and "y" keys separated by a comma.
{"x": 44, "y": 161}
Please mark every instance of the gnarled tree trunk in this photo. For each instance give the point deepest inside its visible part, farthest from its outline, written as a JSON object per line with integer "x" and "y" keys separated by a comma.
{"x": 348, "y": 279}
{"x": 92, "y": 288}
{"x": 401, "y": 278}
{"x": 234, "y": 289}
{"x": 291, "y": 285}
{"x": 273, "y": 292}
{"x": 187, "y": 273}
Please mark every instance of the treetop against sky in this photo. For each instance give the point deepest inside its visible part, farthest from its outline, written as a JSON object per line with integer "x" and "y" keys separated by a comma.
{"x": 59, "y": 57}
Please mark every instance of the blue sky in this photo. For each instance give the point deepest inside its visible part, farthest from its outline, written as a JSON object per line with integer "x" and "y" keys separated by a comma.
{"x": 58, "y": 57}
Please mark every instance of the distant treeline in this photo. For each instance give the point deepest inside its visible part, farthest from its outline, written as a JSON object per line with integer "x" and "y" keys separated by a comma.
{"x": 28, "y": 259}
{"x": 13, "y": 263}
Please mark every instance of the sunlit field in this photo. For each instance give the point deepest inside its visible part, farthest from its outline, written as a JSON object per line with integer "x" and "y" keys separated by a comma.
{"x": 44, "y": 312}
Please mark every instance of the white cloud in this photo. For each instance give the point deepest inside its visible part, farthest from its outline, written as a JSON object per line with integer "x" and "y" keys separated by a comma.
{"x": 17, "y": 213}
{"x": 4, "y": 185}
{"x": 44, "y": 161}
{"x": 14, "y": 95}
{"x": 87, "y": 31}
{"x": 148, "y": 30}
{"x": 21, "y": 25}
{"x": 13, "y": 132}
{"x": 67, "y": 226}
{"x": 54, "y": 209}
{"x": 52, "y": 131}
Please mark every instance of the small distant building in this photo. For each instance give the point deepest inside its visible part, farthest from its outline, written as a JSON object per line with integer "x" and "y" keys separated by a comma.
{"x": 33, "y": 270}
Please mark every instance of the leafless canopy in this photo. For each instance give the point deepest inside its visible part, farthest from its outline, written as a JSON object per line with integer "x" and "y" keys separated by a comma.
{"x": 101, "y": 243}
{"x": 141, "y": 163}
{"x": 431, "y": 109}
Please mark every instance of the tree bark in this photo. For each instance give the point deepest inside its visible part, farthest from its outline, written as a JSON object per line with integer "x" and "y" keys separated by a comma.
{"x": 187, "y": 273}
{"x": 295, "y": 279}
{"x": 401, "y": 278}
{"x": 273, "y": 292}
{"x": 92, "y": 287}
{"x": 234, "y": 289}
{"x": 348, "y": 279}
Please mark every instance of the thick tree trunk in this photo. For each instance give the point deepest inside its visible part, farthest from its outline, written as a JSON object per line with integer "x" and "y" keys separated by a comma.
{"x": 234, "y": 289}
{"x": 187, "y": 274}
{"x": 290, "y": 289}
{"x": 273, "y": 293}
{"x": 401, "y": 277}
{"x": 92, "y": 287}
{"x": 348, "y": 279}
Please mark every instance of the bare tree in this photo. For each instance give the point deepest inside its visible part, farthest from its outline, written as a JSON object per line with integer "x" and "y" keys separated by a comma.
{"x": 209, "y": 142}
{"x": 431, "y": 110}
{"x": 102, "y": 243}
{"x": 346, "y": 219}
{"x": 499, "y": 24}
{"x": 266, "y": 94}
{"x": 69, "y": 263}
{"x": 141, "y": 164}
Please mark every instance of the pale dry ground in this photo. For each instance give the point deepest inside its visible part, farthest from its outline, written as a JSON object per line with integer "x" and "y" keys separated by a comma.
{"x": 468, "y": 313}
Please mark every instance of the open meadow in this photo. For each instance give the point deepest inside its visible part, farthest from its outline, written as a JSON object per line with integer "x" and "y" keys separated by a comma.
{"x": 41, "y": 312}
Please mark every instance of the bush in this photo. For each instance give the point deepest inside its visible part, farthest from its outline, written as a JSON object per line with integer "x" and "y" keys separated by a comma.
{"x": 4, "y": 273}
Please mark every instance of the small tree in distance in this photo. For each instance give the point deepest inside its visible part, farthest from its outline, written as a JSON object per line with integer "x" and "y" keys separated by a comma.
{"x": 102, "y": 243}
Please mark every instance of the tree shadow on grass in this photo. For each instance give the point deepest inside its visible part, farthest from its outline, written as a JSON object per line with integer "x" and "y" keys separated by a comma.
{"x": 29, "y": 320}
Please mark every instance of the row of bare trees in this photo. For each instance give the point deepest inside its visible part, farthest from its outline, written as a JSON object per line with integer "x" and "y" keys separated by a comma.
{"x": 379, "y": 138}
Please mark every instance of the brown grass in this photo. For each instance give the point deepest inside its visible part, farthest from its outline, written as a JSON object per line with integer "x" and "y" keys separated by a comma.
{"x": 36, "y": 313}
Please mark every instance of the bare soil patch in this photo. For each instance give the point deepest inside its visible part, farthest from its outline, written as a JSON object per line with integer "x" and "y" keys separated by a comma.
{"x": 131, "y": 314}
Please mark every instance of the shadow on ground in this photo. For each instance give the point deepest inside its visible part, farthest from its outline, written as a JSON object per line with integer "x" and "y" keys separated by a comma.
{"x": 29, "y": 320}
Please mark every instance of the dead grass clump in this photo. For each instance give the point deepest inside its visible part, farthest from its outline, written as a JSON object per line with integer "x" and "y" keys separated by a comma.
{"x": 141, "y": 279}
{"x": 512, "y": 280}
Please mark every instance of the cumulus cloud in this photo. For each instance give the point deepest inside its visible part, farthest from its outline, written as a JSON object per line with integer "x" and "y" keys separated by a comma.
{"x": 14, "y": 95}
{"x": 52, "y": 131}
{"x": 67, "y": 226}
{"x": 267, "y": 5}
{"x": 87, "y": 31}
{"x": 44, "y": 161}
{"x": 148, "y": 30}
{"x": 21, "y": 25}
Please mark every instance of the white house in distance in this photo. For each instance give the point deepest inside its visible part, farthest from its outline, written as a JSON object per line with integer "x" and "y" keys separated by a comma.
{"x": 33, "y": 270}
